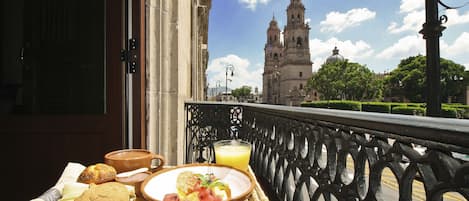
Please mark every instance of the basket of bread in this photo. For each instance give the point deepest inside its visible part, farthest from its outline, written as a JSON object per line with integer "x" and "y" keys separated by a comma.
{"x": 118, "y": 178}
{"x": 97, "y": 182}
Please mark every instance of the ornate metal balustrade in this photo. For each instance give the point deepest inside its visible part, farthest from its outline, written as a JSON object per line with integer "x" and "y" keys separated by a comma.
{"x": 315, "y": 154}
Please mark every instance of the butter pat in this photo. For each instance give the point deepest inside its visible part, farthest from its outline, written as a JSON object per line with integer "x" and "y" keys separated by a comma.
{"x": 73, "y": 190}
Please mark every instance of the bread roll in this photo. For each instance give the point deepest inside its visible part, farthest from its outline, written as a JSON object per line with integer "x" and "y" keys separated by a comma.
{"x": 111, "y": 191}
{"x": 97, "y": 174}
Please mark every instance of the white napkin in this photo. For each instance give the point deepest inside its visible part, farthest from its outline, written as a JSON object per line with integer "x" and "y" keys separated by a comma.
{"x": 69, "y": 175}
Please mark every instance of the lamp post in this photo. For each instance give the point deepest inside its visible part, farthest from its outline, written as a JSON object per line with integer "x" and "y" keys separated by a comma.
{"x": 431, "y": 33}
{"x": 218, "y": 87}
{"x": 455, "y": 82}
{"x": 207, "y": 87}
{"x": 228, "y": 67}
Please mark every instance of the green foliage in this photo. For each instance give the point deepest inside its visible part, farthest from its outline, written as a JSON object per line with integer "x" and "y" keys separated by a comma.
{"x": 449, "y": 112}
{"x": 409, "y": 110}
{"x": 316, "y": 104}
{"x": 242, "y": 92}
{"x": 422, "y": 105}
{"x": 334, "y": 104}
{"x": 376, "y": 107}
{"x": 407, "y": 81}
{"x": 393, "y": 105}
{"x": 344, "y": 80}
{"x": 345, "y": 105}
{"x": 463, "y": 110}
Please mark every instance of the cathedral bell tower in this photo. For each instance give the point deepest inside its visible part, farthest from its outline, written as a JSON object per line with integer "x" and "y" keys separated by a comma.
{"x": 296, "y": 34}
{"x": 273, "y": 52}
{"x": 287, "y": 66}
{"x": 273, "y": 48}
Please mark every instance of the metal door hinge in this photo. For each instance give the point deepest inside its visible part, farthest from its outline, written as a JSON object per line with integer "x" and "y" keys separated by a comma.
{"x": 130, "y": 56}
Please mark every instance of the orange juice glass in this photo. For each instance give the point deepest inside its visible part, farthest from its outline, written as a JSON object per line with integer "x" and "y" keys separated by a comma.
{"x": 234, "y": 153}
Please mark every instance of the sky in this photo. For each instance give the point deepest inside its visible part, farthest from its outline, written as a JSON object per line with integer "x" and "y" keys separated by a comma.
{"x": 374, "y": 33}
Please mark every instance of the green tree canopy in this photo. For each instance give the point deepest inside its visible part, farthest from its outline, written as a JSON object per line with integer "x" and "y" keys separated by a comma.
{"x": 407, "y": 81}
{"x": 346, "y": 80}
{"x": 241, "y": 93}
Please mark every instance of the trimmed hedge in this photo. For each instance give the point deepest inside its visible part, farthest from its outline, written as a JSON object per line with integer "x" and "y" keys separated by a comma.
{"x": 447, "y": 110}
{"x": 316, "y": 104}
{"x": 345, "y": 105}
{"x": 376, "y": 107}
{"x": 422, "y": 105}
{"x": 463, "y": 110}
{"x": 409, "y": 110}
{"x": 393, "y": 105}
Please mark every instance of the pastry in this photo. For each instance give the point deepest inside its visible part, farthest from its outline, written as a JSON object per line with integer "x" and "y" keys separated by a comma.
{"x": 110, "y": 191}
{"x": 97, "y": 174}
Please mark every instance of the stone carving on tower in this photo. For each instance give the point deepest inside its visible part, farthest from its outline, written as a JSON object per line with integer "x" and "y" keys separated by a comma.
{"x": 287, "y": 66}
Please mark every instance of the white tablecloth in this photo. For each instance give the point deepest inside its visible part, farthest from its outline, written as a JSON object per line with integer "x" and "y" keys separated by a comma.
{"x": 69, "y": 175}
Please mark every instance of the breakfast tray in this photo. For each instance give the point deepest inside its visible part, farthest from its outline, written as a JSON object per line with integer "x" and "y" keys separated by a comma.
{"x": 72, "y": 170}
{"x": 258, "y": 194}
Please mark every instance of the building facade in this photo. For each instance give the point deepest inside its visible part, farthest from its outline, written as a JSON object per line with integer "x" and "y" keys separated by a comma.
{"x": 177, "y": 58}
{"x": 287, "y": 65}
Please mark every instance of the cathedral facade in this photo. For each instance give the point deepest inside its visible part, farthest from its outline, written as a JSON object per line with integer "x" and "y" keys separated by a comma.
{"x": 287, "y": 65}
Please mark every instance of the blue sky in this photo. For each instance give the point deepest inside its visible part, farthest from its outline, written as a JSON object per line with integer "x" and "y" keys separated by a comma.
{"x": 374, "y": 33}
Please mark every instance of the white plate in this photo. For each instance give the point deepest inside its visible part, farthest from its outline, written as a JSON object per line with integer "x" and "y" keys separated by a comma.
{"x": 157, "y": 185}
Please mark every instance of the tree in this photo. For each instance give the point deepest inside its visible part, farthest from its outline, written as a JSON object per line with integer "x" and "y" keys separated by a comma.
{"x": 407, "y": 81}
{"x": 346, "y": 80}
{"x": 241, "y": 93}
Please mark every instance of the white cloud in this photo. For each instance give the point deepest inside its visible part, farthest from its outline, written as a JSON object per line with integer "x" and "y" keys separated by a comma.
{"x": 251, "y": 4}
{"x": 454, "y": 18}
{"x": 317, "y": 62}
{"x": 337, "y": 22}
{"x": 412, "y": 22}
{"x": 408, "y": 45}
{"x": 459, "y": 46}
{"x": 308, "y": 21}
{"x": 467, "y": 66}
{"x": 414, "y": 18}
{"x": 242, "y": 75}
{"x": 350, "y": 50}
{"x": 411, "y": 5}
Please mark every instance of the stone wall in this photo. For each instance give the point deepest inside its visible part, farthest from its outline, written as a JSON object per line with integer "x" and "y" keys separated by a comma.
{"x": 176, "y": 63}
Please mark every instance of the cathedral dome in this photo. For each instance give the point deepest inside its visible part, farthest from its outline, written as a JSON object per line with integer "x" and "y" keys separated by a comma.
{"x": 335, "y": 57}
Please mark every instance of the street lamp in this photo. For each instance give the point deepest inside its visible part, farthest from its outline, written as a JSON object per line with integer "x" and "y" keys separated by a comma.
{"x": 207, "y": 87}
{"x": 218, "y": 87}
{"x": 228, "y": 67}
{"x": 432, "y": 31}
{"x": 455, "y": 81}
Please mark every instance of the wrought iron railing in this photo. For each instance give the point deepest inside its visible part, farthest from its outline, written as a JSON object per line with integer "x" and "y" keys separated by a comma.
{"x": 308, "y": 154}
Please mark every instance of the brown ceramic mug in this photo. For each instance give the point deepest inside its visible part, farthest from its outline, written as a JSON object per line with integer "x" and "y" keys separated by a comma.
{"x": 131, "y": 159}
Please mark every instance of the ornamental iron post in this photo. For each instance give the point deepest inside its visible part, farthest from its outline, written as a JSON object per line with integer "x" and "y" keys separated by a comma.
{"x": 218, "y": 87}
{"x": 229, "y": 67}
{"x": 431, "y": 33}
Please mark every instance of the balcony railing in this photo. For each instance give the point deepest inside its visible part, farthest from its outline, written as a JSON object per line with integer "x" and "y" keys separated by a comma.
{"x": 306, "y": 153}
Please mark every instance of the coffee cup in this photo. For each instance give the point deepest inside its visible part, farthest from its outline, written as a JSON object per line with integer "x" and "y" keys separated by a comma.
{"x": 131, "y": 159}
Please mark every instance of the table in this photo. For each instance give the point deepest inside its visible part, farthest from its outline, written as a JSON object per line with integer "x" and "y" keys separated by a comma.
{"x": 72, "y": 170}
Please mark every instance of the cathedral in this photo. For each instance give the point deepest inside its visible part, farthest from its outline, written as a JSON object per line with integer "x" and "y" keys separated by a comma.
{"x": 287, "y": 65}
